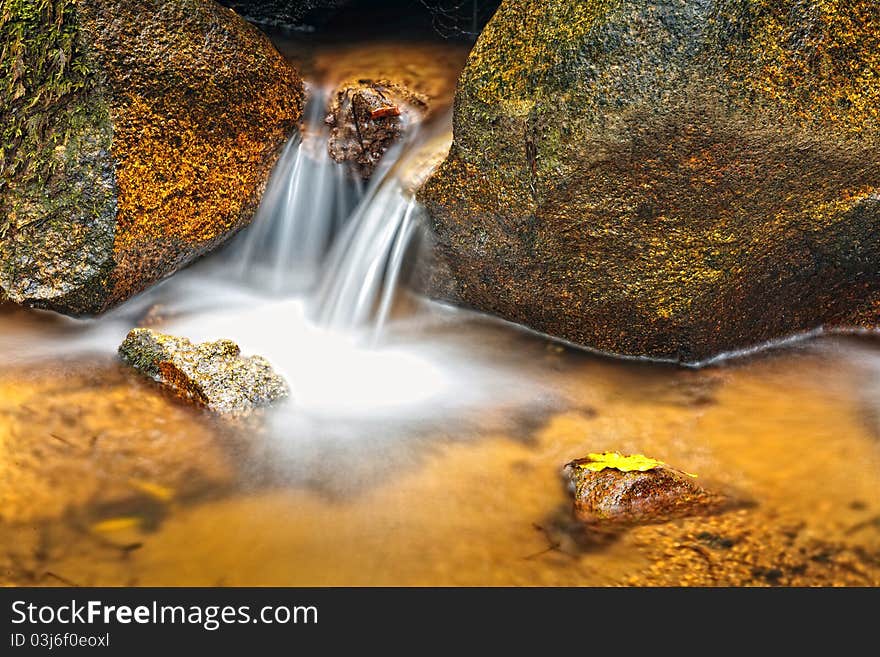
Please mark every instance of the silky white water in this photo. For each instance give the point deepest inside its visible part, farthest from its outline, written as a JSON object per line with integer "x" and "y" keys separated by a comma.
{"x": 312, "y": 284}
{"x": 308, "y": 199}
{"x": 365, "y": 264}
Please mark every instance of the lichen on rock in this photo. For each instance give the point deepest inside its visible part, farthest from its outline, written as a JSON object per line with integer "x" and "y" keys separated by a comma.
{"x": 673, "y": 179}
{"x": 136, "y": 137}
{"x": 210, "y": 374}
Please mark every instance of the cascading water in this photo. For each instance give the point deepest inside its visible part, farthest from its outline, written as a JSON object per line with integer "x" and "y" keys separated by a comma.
{"x": 363, "y": 269}
{"x": 320, "y": 233}
{"x": 308, "y": 199}
{"x": 313, "y": 276}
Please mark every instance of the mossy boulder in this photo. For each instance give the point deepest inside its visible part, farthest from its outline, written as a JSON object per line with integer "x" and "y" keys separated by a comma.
{"x": 137, "y": 135}
{"x": 210, "y": 374}
{"x": 672, "y": 179}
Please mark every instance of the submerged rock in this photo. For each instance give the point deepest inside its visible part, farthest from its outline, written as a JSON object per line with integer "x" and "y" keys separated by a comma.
{"x": 136, "y": 137}
{"x": 366, "y": 118}
{"x": 73, "y": 453}
{"x": 614, "y": 492}
{"x": 211, "y": 374}
{"x": 672, "y": 179}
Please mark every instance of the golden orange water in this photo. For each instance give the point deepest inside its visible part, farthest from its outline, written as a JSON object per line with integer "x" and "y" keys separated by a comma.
{"x": 106, "y": 480}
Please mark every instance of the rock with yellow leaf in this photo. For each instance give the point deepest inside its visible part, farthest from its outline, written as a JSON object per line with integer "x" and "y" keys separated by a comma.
{"x": 614, "y": 491}
{"x": 136, "y": 136}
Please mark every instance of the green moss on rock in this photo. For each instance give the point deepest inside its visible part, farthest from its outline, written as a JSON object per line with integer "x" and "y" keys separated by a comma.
{"x": 57, "y": 202}
{"x": 137, "y": 135}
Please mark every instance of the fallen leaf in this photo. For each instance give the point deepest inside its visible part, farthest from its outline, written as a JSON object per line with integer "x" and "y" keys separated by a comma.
{"x": 116, "y": 524}
{"x": 630, "y": 463}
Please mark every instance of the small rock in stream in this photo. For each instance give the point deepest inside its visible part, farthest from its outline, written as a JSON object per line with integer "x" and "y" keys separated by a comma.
{"x": 211, "y": 374}
{"x": 367, "y": 117}
{"x": 614, "y": 492}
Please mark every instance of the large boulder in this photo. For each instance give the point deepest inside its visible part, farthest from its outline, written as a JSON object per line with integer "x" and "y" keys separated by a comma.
{"x": 673, "y": 179}
{"x": 137, "y": 135}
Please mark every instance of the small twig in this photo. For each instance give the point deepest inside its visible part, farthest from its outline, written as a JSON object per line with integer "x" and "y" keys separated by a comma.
{"x": 553, "y": 546}
{"x": 127, "y": 549}
{"x": 859, "y": 526}
{"x": 357, "y": 127}
{"x": 61, "y": 579}
{"x": 62, "y": 440}
{"x": 705, "y": 555}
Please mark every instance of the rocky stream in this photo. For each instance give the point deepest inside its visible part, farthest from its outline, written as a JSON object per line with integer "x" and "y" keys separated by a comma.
{"x": 337, "y": 292}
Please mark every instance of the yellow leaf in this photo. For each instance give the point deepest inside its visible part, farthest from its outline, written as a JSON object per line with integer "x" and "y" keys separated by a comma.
{"x": 615, "y": 460}
{"x": 156, "y": 491}
{"x": 116, "y": 524}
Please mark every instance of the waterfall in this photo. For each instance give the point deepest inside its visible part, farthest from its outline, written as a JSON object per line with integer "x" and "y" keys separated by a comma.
{"x": 307, "y": 201}
{"x": 323, "y": 236}
{"x": 363, "y": 271}
{"x": 364, "y": 266}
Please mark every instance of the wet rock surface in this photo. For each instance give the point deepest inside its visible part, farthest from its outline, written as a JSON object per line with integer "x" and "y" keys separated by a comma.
{"x": 666, "y": 179}
{"x": 366, "y": 118}
{"x": 381, "y": 92}
{"x": 606, "y": 497}
{"x": 210, "y": 374}
{"x": 428, "y": 69}
{"x": 137, "y": 136}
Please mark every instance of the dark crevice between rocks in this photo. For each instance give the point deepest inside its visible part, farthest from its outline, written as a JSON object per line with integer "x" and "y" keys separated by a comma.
{"x": 450, "y": 19}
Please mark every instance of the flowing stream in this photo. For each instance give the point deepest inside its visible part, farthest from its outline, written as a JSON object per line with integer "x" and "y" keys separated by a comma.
{"x": 337, "y": 244}
{"x": 313, "y": 284}
{"x": 308, "y": 200}
{"x": 421, "y": 444}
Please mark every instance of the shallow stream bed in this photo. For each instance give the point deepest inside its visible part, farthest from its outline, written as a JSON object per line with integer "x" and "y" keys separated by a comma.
{"x": 108, "y": 480}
